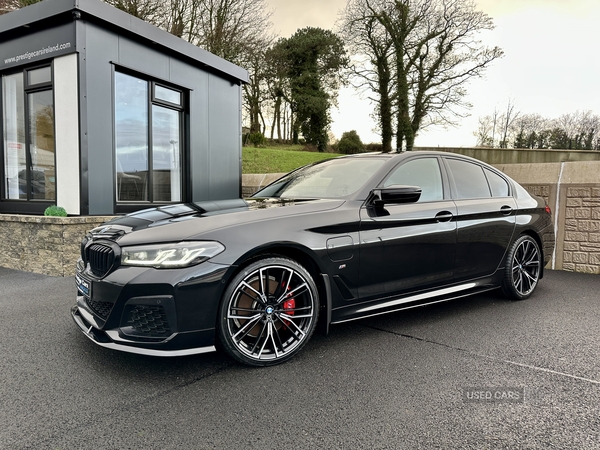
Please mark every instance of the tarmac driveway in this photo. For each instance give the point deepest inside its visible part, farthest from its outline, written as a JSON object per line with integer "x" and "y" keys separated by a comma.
{"x": 478, "y": 372}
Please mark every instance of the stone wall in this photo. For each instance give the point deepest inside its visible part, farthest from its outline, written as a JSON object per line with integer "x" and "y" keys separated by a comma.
{"x": 581, "y": 251}
{"x": 572, "y": 190}
{"x": 50, "y": 245}
{"x": 519, "y": 155}
{"x": 46, "y": 245}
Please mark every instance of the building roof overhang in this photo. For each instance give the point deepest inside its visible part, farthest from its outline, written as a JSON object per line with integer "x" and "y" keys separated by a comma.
{"x": 49, "y": 13}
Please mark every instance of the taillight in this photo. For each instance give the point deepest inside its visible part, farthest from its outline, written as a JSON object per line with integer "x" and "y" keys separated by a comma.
{"x": 548, "y": 210}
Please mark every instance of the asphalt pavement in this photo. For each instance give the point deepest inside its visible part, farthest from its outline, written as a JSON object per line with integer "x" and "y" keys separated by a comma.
{"x": 478, "y": 372}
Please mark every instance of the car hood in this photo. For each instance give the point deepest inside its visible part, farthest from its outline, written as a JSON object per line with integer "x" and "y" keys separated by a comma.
{"x": 190, "y": 221}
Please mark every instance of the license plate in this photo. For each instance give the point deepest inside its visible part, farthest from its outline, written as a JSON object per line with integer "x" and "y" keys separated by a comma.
{"x": 83, "y": 286}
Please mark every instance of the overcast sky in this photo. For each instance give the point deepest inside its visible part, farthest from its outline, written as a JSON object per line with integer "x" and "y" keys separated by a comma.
{"x": 551, "y": 64}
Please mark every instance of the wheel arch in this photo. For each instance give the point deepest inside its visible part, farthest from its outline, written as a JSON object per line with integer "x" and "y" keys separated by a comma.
{"x": 303, "y": 256}
{"x": 531, "y": 233}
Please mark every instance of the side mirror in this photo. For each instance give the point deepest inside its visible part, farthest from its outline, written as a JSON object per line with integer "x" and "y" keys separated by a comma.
{"x": 396, "y": 194}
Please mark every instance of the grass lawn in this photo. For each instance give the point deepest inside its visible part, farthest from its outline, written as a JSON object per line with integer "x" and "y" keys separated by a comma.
{"x": 277, "y": 159}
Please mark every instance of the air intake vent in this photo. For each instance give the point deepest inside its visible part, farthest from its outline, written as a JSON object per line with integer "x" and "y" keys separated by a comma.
{"x": 101, "y": 259}
{"x": 150, "y": 321}
{"x": 102, "y": 309}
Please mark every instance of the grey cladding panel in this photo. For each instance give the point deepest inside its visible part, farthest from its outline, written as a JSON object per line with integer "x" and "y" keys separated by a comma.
{"x": 196, "y": 80}
{"x": 102, "y": 47}
{"x": 143, "y": 59}
{"x": 224, "y": 138}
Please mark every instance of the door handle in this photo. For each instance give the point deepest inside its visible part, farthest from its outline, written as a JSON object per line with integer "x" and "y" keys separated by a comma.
{"x": 444, "y": 216}
{"x": 506, "y": 210}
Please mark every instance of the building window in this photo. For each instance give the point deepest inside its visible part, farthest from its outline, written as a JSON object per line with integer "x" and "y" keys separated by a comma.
{"x": 148, "y": 118}
{"x": 29, "y": 167}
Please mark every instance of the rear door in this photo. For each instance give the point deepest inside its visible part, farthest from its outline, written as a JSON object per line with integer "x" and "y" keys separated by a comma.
{"x": 486, "y": 214}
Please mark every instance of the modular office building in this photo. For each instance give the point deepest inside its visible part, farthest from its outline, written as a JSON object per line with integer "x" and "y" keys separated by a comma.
{"x": 103, "y": 113}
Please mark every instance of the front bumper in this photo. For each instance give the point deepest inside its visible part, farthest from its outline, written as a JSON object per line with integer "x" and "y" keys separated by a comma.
{"x": 148, "y": 311}
{"x": 103, "y": 339}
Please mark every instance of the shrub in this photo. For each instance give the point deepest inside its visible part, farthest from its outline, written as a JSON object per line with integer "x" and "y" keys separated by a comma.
{"x": 350, "y": 143}
{"x": 374, "y": 147}
{"x": 56, "y": 211}
{"x": 257, "y": 139}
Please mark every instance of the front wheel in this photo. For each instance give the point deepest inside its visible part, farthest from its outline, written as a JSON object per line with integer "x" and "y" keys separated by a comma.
{"x": 269, "y": 311}
{"x": 523, "y": 268}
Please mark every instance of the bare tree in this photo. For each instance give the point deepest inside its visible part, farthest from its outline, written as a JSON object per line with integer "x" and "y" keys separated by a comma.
{"x": 180, "y": 17}
{"x": 484, "y": 132}
{"x": 575, "y": 131}
{"x": 435, "y": 52}
{"x": 229, "y": 28}
{"x": 588, "y": 128}
{"x": 371, "y": 45}
{"x": 256, "y": 92}
{"x": 279, "y": 91}
{"x": 7, "y": 6}
{"x": 151, "y": 11}
{"x": 506, "y": 122}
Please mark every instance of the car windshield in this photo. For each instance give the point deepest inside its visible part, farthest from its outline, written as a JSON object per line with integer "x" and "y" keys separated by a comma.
{"x": 333, "y": 178}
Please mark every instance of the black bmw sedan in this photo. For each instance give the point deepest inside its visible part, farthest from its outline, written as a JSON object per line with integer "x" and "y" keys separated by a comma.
{"x": 334, "y": 241}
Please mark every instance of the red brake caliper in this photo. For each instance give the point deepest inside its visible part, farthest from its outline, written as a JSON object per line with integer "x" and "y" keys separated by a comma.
{"x": 288, "y": 306}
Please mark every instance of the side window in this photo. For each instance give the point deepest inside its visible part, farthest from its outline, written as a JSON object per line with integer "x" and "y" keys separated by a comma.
{"x": 469, "y": 179}
{"x": 498, "y": 185}
{"x": 425, "y": 173}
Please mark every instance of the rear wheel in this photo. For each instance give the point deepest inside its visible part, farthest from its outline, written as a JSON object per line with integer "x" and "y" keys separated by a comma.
{"x": 522, "y": 270}
{"x": 269, "y": 312}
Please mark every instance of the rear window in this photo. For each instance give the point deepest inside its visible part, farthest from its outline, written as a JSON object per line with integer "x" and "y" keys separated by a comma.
{"x": 469, "y": 179}
{"x": 498, "y": 185}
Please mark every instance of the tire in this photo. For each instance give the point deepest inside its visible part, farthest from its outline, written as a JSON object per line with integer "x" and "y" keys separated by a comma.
{"x": 522, "y": 269}
{"x": 269, "y": 312}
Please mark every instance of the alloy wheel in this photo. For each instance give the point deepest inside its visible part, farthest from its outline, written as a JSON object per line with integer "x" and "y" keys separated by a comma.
{"x": 525, "y": 267}
{"x": 271, "y": 311}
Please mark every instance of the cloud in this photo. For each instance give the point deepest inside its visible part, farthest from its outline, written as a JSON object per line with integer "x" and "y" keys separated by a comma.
{"x": 290, "y": 15}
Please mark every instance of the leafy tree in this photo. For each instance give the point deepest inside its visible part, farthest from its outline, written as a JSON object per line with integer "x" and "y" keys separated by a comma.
{"x": 312, "y": 60}
{"x": 434, "y": 53}
{"x": 527, "y": 130}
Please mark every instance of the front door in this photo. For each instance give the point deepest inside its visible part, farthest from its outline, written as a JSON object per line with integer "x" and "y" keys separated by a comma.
{"x": 404, "y": 247}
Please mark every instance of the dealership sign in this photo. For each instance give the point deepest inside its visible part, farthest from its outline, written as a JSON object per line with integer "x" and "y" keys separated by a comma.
{"x": 38, "y": 46}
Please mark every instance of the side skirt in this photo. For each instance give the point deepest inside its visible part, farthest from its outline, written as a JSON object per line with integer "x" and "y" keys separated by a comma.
{"x": 389, "y": 305}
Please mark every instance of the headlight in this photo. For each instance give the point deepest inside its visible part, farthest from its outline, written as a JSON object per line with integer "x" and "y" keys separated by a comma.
{"x": 170, "y": 256}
